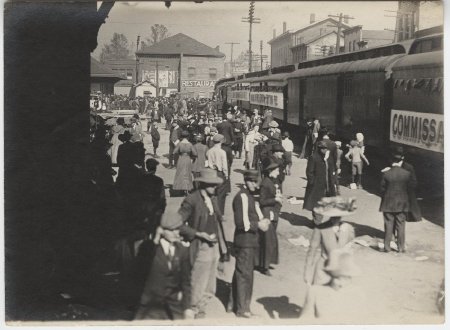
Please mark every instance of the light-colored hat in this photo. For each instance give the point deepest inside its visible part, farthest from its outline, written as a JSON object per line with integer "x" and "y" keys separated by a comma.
{"x": 338, "y": 143}
{"x": 273, "y": 124}
{"x": 218, "y": 138}
{"x": 336, "y": 206}
{"x": 208, "y": 175}
{"x": 340, "y": 263}
{"x": 171, "y": 221}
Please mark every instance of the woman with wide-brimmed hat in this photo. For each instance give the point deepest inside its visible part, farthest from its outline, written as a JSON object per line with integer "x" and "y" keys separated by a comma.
{"x": 329, "y": 233}
{"x": 183, "y": 175}
{"x": 270, "y": 201}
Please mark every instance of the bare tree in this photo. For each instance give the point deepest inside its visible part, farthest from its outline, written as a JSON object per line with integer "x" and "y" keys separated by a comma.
{"x": 158, "y": 32}
{"x": 117, "y": 49}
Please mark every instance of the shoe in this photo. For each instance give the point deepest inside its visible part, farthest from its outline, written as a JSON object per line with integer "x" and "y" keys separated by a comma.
{"x": 266, "y": 272}
{"x": 246, "y": 315}
{"x": 386, "y": 250}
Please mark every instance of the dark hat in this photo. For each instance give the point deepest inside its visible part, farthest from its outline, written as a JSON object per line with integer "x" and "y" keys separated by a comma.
{"x": 218, "y": 138}
{"x": 213, "y": 129}
{"x": 209, "y": 176}
{"x": 184, "y": 134}
{"x": 125, "y": 136}
{"x": 322, "y": 145}
{"x": 268, "y": 165}
{"x": 151, "y": 164}
{"x": 398, "y": 152}
{"x": 251, "y": 175}
{"x": 277, "y": 148}
{"x": 286, "y": 134}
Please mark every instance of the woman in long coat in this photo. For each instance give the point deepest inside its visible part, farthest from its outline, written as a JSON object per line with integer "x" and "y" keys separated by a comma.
{"x": 183, "y": 175}
{"x": 320, "y": 173}
{"x": 270, "y": 203}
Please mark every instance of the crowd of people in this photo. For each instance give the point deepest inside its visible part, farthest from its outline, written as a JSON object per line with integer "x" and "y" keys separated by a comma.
{"x": 175, "y": 267}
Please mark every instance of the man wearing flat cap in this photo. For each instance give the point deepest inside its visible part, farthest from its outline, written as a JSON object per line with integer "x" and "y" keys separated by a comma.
{"x": 320, "y": 172}
{"x": 202, "y": 221}
{"x": 247, "y": 216}
{"x": 167, "y": 291}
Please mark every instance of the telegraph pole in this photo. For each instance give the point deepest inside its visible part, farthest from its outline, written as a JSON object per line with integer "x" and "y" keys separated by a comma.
{"x": 137, "y": 61}
{"x": 260, "y": 52}
{"x": 231, "y": 62}
{"x": 251, "y": 20}
{"x": 338, "y": 40}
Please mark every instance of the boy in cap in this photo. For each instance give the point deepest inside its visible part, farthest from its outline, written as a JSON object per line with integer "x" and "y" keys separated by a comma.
{"x": 247, "y": 216}
{"x": 355, "y": 155}
{"x": 288, "y": 150}
{"x": 167, "y": 291}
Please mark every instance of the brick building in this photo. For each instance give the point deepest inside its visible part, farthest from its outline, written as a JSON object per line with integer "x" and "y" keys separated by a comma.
{"x": 181, "y": 64}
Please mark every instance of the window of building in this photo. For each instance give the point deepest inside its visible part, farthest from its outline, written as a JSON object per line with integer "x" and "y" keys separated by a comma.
{"x": 212, "y": 73}
{"x": 191, "y": 72}
{"x": 129, "y": 75}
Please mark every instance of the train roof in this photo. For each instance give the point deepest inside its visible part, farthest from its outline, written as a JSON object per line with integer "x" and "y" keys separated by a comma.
{"x": 368, "y": 65}
{"x": 272, "y": 77}
{"x": 422, "y": 60}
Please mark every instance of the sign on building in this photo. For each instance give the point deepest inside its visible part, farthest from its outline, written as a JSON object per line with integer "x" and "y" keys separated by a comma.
{"x": 274, "y": 100}
{"x": 418, "y": 129}
{"x": 240, "y": 95}
{"x": 198, "y": 83}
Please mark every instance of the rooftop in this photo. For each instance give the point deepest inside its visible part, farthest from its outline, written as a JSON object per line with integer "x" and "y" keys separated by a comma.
{"x": 180, "y": 44}
{"x": 99, "y": 70}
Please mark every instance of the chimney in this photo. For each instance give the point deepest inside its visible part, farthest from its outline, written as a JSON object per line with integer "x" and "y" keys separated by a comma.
{"x": 312, "y": 18}
{"x": 284, "y": 27}
{"x": 274, "y": 33}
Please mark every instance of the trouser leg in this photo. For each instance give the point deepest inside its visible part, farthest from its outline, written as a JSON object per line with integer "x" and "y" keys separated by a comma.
{"x": 244, "y": 279}
{"x": 388, "y": 229}
{"x": 400, "y": 225}
{"x": 171, "y": 149}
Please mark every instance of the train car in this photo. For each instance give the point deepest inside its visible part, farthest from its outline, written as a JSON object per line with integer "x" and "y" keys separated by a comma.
{"x": 240, "y": 94}
{"x": 270, "y": 92}
{"x": 347, "y": 97}
{"x": 221, "y": 89}
{"x": 416, "y": 119}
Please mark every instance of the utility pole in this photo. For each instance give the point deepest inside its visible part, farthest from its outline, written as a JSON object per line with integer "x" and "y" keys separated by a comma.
{"x": 231, "y": 62}
{"x": 137, "y": 61}
{"x": 251, "y": 20}
{"x": 338, "y": 40}
{"x": 260, "y": 52}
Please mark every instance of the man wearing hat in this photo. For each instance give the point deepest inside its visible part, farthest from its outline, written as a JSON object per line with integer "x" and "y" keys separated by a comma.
{"x": 209, "y": 138}
{"x": 174, "y": 139}
{"x": 339, "y": 301}
{"x": 396, "y": 182}
{"x": 320, "y": 172}
{"x": 217, "y": 160}
{"x": 226, "y": 129}
{"x": 203, "y": 228}
{"x": 154, "y": 196}
{"x": 167, "y": 291}
{"x": 278, "y": 157}
{"x": 248, "y": 219}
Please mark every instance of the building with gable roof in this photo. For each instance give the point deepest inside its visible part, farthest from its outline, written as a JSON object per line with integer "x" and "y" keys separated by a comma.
{"x": 103, "y": 78}
{"x": 181, "y": 64}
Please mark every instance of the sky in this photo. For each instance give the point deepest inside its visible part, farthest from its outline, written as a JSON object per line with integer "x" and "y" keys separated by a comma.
{"x": 216, "y": 23}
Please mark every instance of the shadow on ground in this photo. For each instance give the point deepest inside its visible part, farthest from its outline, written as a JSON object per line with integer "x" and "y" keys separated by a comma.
{"x": 223, "y": 290}
{"x": 280, "y": 307}
{"x": 361, "y": 230}
{"x": 297, "y": 220}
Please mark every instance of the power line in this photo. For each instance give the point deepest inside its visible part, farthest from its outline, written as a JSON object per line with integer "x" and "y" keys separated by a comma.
{"x": 251, "y": 20}
{"x": 231, "y": 61}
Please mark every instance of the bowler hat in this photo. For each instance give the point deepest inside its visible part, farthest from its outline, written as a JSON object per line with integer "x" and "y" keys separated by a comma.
{"x": 268, "y": 165}
{"x": 218, "y": 138}
{"x": 125, "y": 136}
{"x": 273, "y": 124}
{"x": 340, "y": 263}
{"x": 251, "y": 175}
{"x": 398, "y": 152}
{"x": 208, "y": 175}
{"x": 336, "y": 206}
{"x": 277, "y": 148}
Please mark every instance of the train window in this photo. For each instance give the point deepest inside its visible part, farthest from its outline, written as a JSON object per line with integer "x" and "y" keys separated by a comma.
{"x": 348, "y": 86}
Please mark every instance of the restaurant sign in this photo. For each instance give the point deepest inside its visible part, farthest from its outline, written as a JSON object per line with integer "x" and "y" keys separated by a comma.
{"x": 198, "y": 83}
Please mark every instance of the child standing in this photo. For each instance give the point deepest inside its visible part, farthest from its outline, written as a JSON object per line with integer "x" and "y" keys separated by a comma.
{"x": 355, "y": 155}
{"x": 288, "y": 149}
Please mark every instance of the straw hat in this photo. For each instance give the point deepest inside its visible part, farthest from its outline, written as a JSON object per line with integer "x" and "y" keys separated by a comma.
{"x": 273, "y": 124}
{"x": 209, "y": 176}
{"x": 218, "y": 138}
{"x": 336, "y": 206}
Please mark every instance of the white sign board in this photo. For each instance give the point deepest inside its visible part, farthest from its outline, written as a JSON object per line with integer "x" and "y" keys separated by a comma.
{"x": 240, "y": 95}
{"x": 418, "y": 129}
{"x": 274, "y": 100}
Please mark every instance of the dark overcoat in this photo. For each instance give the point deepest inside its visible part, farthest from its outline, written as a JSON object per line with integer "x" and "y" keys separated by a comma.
{"x": 317, "y": 176}
{"x": 395, "y": 184}
{"x": 414, "y": 213}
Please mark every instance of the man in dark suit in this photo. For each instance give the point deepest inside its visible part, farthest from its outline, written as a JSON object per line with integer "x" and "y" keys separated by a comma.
{"x": 246, "y": 245}
{"x": 226, "y": 129}
{"x": 167, "y": 291}
{"x": 174, "y": 138}
{"x": 395, "y": 184}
